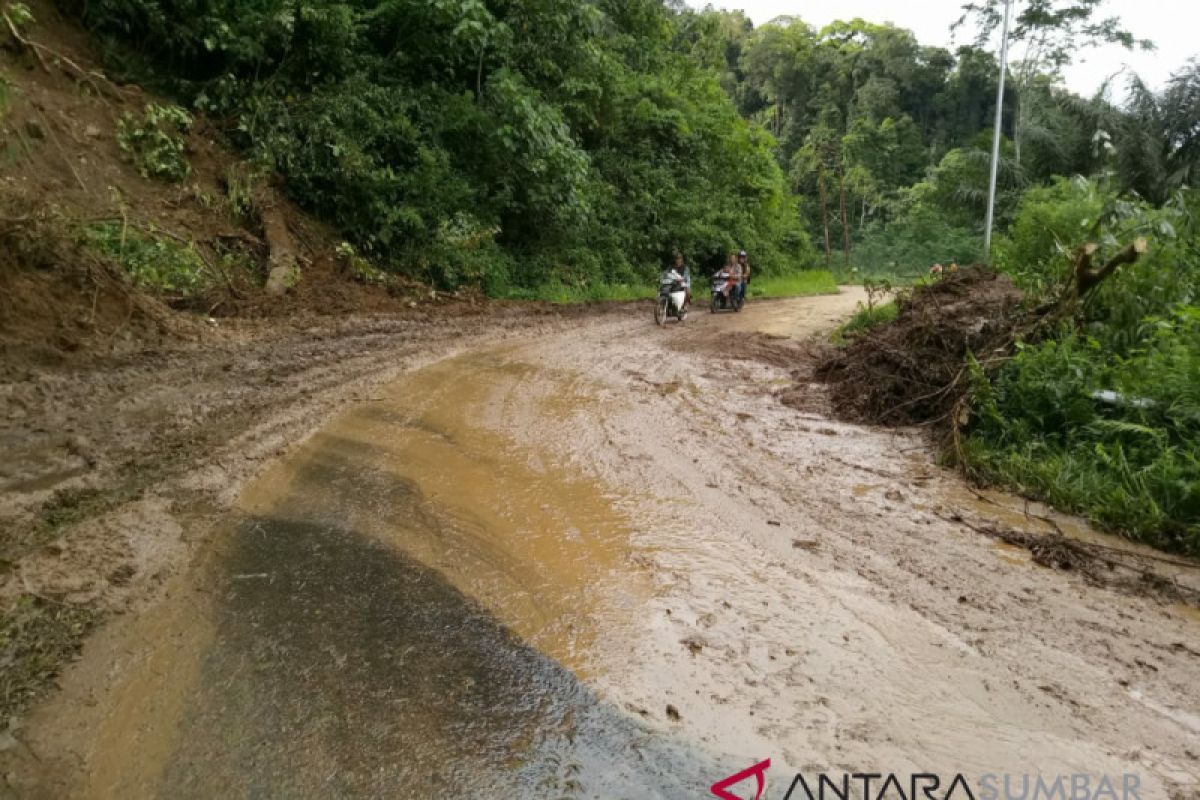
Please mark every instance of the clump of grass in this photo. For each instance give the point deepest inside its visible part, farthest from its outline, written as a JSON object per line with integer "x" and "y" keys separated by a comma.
{"x": 154, "y": 262}
{"x": 37, "y": 637}
{"x": 797, "y": 284}
{"x": 866, "y": 318}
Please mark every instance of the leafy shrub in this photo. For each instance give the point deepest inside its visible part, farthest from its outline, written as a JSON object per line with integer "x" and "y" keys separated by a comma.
{"x": 360, "y": 268}
{"x": 156, "y": 263}
{"x": 156, "y": 141}
{"x": 1116, "y": 438}
{"x": 1050, "y": 221}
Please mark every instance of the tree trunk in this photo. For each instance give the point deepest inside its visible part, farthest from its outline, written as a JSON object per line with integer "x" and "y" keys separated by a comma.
{"x": 824, "y": 215}
{"x": 845, "y": 221}
{"x": 283, "y": 265}
{"x": 1018, "y": 125}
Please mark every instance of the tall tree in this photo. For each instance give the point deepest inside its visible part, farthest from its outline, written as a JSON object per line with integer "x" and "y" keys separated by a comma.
{"x": 1046, "y": 35}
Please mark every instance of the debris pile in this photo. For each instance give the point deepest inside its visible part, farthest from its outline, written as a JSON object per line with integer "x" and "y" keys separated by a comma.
{"x": 914, "y": 370}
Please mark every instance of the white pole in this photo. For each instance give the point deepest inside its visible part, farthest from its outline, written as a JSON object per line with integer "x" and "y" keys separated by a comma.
{"x": 991, "y": 205}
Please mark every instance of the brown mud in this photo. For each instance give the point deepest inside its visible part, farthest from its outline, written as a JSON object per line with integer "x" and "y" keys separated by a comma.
{"x": 598, "y": 559}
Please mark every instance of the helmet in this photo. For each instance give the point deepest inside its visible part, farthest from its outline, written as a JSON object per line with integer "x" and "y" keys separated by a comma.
{"x": 743, "y": 254}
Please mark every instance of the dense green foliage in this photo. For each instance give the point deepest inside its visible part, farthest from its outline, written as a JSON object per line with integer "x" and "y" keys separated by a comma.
{"x": 504, "y": 143}
{"x": 1104, "y": 417}
{"x": 155, "y": 141}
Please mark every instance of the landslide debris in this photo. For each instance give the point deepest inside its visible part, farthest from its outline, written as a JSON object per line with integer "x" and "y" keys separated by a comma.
{"x": 913, "y": 370}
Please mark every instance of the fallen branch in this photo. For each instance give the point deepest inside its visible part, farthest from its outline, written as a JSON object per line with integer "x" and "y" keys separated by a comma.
{"x": 1087, "y": 279}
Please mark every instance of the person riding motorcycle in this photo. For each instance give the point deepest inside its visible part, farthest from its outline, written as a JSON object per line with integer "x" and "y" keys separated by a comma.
{"x": 743, "y": 261}
{"x": 737, "y": 274}
{"x": 726, "y": 281}
{"x": 678, "y": 271}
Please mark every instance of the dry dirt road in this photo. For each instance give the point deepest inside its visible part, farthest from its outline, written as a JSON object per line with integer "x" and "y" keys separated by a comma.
{"x": 601, "y": 559}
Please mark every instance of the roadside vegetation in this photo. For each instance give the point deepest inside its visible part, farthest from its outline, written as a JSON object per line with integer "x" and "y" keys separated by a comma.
{"x": 561, "y": 149}
{"x": 801, "y": 284}
{"x": 1101, "y": 415}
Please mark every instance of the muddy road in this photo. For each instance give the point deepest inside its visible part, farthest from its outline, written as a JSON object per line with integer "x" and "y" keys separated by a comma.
{"x": 594, "y": 558}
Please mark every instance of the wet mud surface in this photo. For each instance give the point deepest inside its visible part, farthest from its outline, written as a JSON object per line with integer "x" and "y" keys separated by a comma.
{"x": 609, "y": 562}
{"x": 343, "y": 668}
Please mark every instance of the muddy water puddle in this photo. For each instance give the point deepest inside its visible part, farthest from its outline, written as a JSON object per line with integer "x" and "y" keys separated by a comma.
{"x": 547, "y": 551}
{"x": 413, "y": 601}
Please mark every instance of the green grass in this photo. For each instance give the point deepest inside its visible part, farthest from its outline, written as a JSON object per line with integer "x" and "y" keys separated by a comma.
{"x": 865, "y": 319}
{"x": 1130, "y": 462}
{"x": 1152, "y": 502}
{"x": 566, "y": 295}
{"x": 798, "y": 284}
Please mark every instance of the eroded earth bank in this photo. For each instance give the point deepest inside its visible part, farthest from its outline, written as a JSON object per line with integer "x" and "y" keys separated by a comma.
{"x": 586, "y": 557}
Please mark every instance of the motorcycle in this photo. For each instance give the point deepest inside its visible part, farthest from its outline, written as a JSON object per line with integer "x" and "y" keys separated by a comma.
{"x": 725, "y": 293}
{"x": 671, "y": 301}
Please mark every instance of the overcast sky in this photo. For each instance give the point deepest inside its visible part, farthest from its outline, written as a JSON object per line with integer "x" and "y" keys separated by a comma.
{"x": 1174, "y": 25}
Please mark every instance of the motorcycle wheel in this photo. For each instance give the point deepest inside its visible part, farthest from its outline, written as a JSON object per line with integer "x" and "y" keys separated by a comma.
{"x": 660, "y": 310}
{"x": 681, "y": 315}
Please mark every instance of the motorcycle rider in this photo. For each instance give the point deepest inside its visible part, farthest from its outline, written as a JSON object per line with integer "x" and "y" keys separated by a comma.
{"x": 743, "y": 260}
{"x": 732, "y": 271}
{"x": 679, "y": 271}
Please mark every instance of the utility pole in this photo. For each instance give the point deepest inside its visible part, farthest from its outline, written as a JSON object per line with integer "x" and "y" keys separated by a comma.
{"x": 991, "y": 205}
